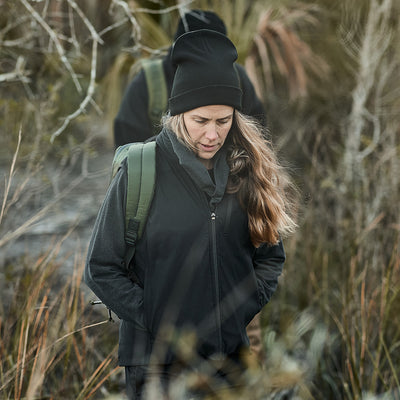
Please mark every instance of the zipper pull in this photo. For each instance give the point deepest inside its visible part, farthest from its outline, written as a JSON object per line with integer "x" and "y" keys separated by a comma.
{"x": 213, "y": 216}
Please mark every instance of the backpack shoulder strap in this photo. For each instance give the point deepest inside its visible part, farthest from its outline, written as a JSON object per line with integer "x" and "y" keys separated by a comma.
{"x": 157, "y": 90}
{"x": 141, "y": 163}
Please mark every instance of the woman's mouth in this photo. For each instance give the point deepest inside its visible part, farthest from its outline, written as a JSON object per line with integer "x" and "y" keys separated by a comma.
{"x": 208, "y": 147}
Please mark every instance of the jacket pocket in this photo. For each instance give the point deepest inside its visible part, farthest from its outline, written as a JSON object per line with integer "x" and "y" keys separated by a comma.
{"x": 134, "y": 345}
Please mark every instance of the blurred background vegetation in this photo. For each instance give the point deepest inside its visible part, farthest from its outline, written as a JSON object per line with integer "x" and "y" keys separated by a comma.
{"x": 329, "y": 76}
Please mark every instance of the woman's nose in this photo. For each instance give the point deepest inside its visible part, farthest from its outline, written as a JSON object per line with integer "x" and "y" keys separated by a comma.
{"x": 212, "y": 133}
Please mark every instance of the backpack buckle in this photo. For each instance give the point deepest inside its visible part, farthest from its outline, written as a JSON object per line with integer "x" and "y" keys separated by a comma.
{"x": 131, "y": 234}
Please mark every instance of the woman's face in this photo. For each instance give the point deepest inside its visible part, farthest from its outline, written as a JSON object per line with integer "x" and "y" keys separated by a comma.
{"x": 208, "y": 127}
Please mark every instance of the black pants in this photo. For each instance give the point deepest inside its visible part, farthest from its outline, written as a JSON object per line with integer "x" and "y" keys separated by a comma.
{"x": 192, "y": 382}
{"x": 134, "y": 377}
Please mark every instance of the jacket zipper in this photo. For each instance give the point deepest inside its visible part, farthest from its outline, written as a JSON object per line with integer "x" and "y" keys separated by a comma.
{"x": 215, "y": 268}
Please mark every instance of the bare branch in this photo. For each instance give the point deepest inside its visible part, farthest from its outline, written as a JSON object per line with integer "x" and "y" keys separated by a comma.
{"x": 90, "y": 91}
{"x": 136, "y": 34}
{"x": 10, "y": 177}
{"x": 375, "y": 42}
{"x": 117, "y": 24}
{"x": 73, "y": 38}
{"x": 56, "y": 42}
{"x": 181, "y": 5}
{"x": 18, "y": 74}
{"x": 88, "y": 98}
{"x": 94, "y": 35}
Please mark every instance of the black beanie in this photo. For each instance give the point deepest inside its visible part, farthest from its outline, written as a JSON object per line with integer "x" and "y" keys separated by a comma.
{"x": 199, "y": 19}
{"x": 205, "y": 73}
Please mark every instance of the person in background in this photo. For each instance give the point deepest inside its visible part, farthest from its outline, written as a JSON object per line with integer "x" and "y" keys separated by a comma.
{"x": 211, "y": 251}
{"x": 133, "y": 123}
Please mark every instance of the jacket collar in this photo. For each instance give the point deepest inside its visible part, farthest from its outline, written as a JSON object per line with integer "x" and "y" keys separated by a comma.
{"x": 196, "y": 170}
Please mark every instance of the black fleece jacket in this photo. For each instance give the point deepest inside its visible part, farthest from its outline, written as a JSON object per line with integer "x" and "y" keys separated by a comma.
{"x": 196, "y": 267}
{"x": 132, "y": 123}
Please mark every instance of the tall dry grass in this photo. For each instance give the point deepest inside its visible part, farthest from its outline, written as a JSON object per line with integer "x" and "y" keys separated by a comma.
{"x": 332, "y": 329}
{"x": 47, "y": 348}
{"x": 344, "y": 263}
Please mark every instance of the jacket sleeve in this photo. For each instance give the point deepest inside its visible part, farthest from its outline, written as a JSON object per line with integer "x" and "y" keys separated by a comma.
{"x": 268, "y": 264}
{"x": 132, "y": 123}
{"x": 105, "y": 273}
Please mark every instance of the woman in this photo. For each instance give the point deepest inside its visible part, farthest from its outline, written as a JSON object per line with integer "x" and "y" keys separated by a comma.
{"x": 211, "y": 253}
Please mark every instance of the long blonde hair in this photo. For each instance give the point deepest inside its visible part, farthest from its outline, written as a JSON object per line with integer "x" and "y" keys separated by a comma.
{"x": 262, "y": 185}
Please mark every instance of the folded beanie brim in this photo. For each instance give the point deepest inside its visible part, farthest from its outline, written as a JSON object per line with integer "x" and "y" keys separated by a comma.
{"x": 204, "y": 96}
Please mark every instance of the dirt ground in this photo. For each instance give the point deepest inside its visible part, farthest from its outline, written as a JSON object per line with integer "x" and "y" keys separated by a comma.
{"x": 70, "y": 203}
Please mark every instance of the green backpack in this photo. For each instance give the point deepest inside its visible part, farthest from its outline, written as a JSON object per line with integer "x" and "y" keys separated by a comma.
{"x": 141, "y": 164}
{"x": 157, "y": 91}
{"x": 141, "y": 159}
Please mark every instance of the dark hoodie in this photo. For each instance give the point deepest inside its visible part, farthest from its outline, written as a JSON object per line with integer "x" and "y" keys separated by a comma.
{"x": 196, "y": 267}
